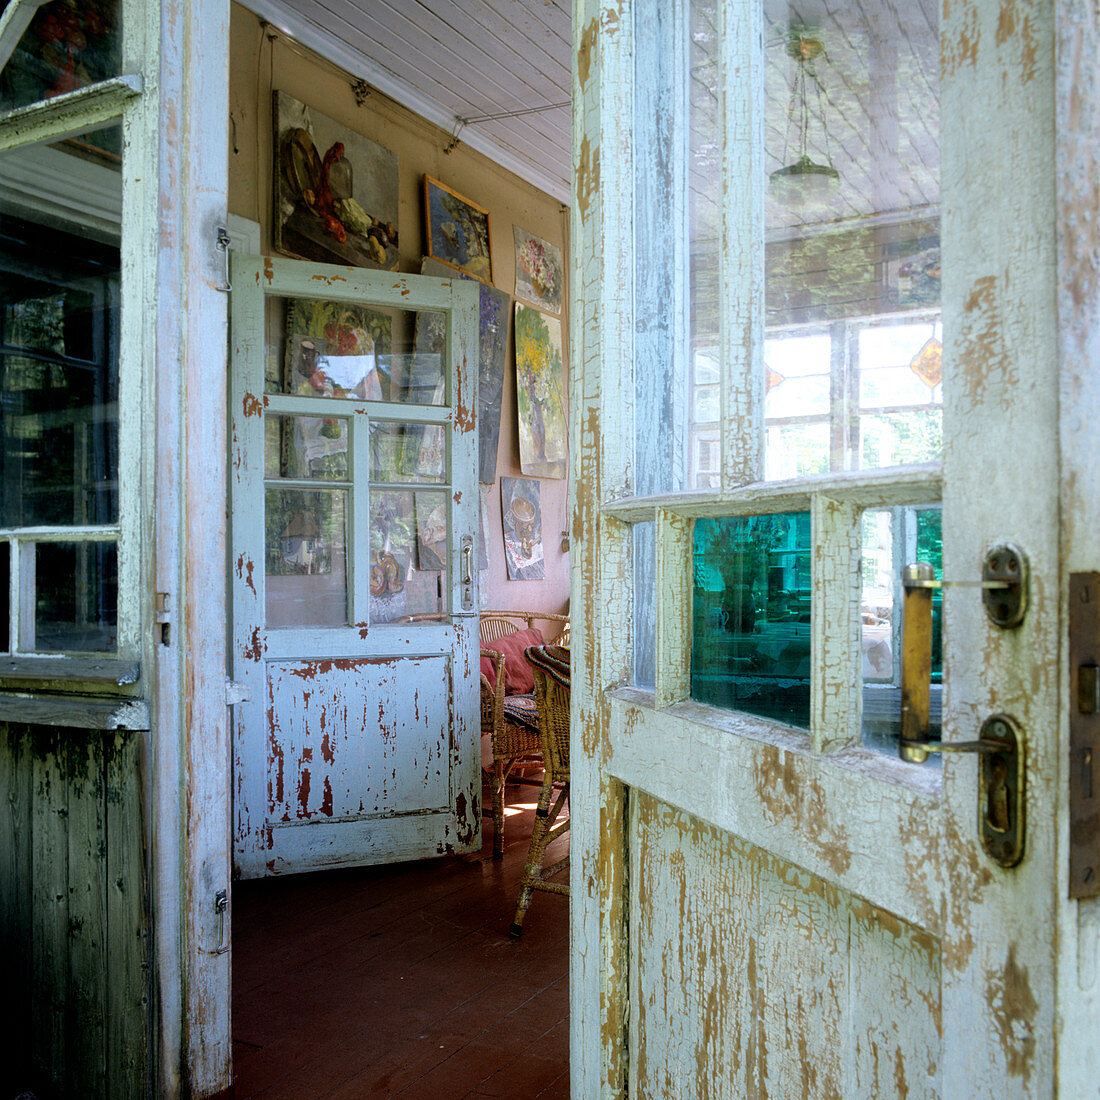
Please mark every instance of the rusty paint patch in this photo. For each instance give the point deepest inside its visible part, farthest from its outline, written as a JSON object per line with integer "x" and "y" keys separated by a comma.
{"x": 464, "y": 825}
{"x": 253, "y": 405}
{"x": 983, "y": 358}
{"x": 464, "y": 415}
{"x": 961, "y": 48}
{"x": 458, "y": 496}
{"x": 588, "y": 177}
{"x": 328, "y": 280}
{"x": 607, "y": 22}
{"x": 326, "y": 798}
{"x": 269, "y": 269}
{"x": 786, "y": 793}
{"x": 311, "y": 669}
{"x": 303, "y": 792}
{"x": 1010, "y": 999}
{"x": 254, "y": 651}
{"x": 327, "y": 753}
{"x": 362, "y": 627}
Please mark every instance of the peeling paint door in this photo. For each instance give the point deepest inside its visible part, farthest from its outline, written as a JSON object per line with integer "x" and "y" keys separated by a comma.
{"x": 830, "y": 273}
{"x": 353, "y": 518}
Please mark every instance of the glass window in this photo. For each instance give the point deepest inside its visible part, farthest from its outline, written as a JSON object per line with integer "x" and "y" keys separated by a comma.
{"x": 751, "y": 615}
{"x": 58, "y": 47}
{"x": 60, "y": 212}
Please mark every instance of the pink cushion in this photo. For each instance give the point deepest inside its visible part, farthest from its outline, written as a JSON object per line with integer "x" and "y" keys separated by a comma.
{"x": 518, "y": 677}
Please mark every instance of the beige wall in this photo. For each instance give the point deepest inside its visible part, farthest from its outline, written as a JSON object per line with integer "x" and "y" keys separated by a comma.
{"x": 262, "y": 61}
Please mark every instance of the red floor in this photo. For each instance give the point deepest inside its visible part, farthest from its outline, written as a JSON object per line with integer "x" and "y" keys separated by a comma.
{"x": 402, "y": 981}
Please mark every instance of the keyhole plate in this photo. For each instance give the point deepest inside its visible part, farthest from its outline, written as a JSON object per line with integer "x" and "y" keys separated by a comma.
{"x": 1001, "y": 792}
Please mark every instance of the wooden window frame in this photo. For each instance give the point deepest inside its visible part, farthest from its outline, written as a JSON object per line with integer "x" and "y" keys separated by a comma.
{"x": 75, "y": 680}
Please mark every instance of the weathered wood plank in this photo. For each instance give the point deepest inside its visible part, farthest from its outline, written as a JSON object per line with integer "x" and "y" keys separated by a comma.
{"x": 75, "y": 712}
{"x": 16, "y": 877}
{"x": 127, "y": 925}
{"x": 50, "y": 901}
{"x": 89, "y": 967}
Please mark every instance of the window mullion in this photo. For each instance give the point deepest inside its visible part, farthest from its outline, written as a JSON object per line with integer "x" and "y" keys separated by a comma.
{"x": 674, "y": 607}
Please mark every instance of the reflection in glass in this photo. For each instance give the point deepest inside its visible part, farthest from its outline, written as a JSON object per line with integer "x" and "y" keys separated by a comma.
{"x": 306, "y": 447}
{"x": 59, "y": 334}
{"x": 305, "y": 544}
{"x": 404, "y": 452}
{"x": 645, "y": 604}
{"x": 409, "y": 553}
{"x": 76, "y": 597}
{"x": 62, "y": 47}
{"x": 5, "y": 596}
{"x": 751, "y": 610}
{"x": 891, "y": 538}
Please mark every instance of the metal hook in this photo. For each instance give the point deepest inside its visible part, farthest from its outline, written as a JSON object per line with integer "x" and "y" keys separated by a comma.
{"x": 223, "y": 243}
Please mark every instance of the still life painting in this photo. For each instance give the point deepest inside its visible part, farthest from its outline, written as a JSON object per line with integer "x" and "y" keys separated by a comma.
{"x": 543, "y": 444}
{"x": 493, "y": 317}
{"x": 538, "y": 271}
{"x": 457, "y": 230}
{"x": 521, "y": 516}
{"x": 336, "y": 193}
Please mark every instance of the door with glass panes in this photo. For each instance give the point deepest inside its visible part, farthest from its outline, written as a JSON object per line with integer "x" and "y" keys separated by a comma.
{"x": 821, "y": 806}
{"x": 353, "y": 498}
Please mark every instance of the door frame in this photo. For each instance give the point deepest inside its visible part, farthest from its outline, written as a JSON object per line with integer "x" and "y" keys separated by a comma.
{"x": 1048, "y": 99}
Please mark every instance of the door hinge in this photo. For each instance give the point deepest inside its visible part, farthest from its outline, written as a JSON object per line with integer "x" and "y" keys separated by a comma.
{"x": 162, "y": 618}
{"x": 236, "y": 692}
{"x": 222, "y": 243}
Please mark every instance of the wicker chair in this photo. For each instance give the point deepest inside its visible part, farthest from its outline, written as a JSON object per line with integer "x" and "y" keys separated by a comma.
{"x": 551, "y": 664}
{"x": 513, "y": 740}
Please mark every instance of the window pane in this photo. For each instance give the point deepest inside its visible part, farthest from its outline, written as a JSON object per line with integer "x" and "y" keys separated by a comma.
{"x": 408, "y": 452}
{"x": 5, "y": 596}
{"x": 891, "y": 539}
{"x": 63, "y": 46}
{"x": 306, "y": 569}
{"x": 796, "y": 450}
{"x": 409, "y": 554}
{"x": 76, "y": 597}
{"x": 60, "y": 208}
{"x": 852, "y": 223}
{"x": 751, "y": 609}
{"x": 306, "y": 447}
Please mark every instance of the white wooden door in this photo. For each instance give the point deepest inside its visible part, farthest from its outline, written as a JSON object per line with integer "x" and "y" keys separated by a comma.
{"x": 765, "y": 903}
{"x": 353, "y": 511}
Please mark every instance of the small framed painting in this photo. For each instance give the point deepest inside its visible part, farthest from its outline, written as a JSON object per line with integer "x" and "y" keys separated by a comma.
{"x": 457, "y": 230}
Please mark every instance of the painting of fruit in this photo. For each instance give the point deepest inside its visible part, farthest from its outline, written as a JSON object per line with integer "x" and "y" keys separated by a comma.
{"x": 335, "y": 191}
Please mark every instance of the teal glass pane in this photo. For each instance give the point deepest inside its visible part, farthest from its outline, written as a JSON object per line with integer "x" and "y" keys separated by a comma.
{"x": 751, "y": 635}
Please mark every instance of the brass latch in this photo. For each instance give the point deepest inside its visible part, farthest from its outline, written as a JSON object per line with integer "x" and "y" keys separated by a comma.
{"x": 1001, "y": 791}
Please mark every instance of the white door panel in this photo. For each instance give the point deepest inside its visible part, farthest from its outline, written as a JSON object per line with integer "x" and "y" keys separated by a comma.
{"x": 352, "y": 473}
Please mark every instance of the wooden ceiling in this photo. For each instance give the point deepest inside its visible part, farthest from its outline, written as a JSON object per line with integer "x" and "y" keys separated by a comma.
{"x": 457, "y": 59}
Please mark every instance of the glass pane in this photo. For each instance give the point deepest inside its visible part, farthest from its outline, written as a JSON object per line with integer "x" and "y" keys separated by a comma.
{"x": 59, "y": 334}
{"x": 62, "y": 47}
{"x": 891, "y": 539}
{"x": 306, "y": 447}
{"x": 305, "y": 538}
{"x": 645, "y": 604}
{"x": 408, "y": 452}
{"x": 892, "y": 439}
{"x": 5, "y": 596}
{"x": 76, "y": 597}
{"x": 751, "y": 615}
{"x": 409, "y": 554}
{"x": 796, "y": 450}
{"x": 319, "y": 348}
{"x": 852, "y": 219}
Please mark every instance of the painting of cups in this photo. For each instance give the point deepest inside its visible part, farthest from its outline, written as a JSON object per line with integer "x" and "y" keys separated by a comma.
{"x": 538, "y": 270}
{"x": 522, "y": 519}
{"x": 457, "y": 230}
{"x": 543, "y": 445}
{"x": 335, "y": 191}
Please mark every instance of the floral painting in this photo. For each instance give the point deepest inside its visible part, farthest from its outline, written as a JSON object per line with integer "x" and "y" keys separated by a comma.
{"x": 521, "y": 516}
{"x": 457, "y": 230}
{"x": 538, "y": 271}
{"x": 543, "y": 445}
{"x": 335, "y": 191}
{"x": 492, "y": 347}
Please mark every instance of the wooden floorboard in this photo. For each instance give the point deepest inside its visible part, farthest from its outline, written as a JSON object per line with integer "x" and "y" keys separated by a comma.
{"x": 402, "y": 981}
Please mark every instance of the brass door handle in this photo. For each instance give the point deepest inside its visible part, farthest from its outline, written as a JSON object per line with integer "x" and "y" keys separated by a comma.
{"x": 1000, "y": 743}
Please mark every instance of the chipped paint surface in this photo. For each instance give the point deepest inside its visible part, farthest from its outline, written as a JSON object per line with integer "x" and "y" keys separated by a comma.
{"x": 367, "y": 738}
{"x": 745, "y": 966}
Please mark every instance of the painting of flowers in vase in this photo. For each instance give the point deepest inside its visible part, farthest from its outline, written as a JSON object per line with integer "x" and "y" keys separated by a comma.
{"x": 543, "y": 444}
{"x": 538, "y": 271}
